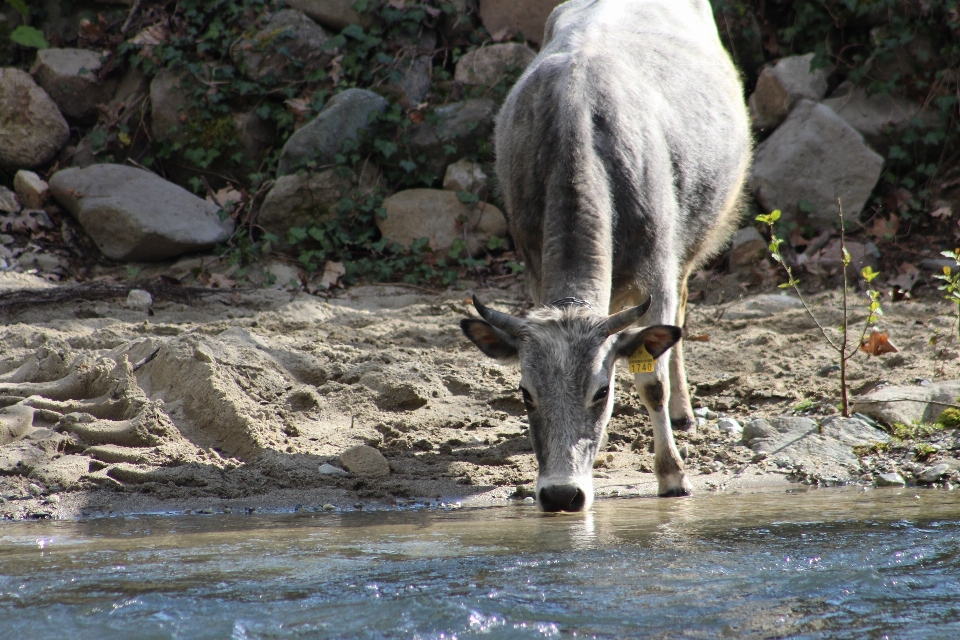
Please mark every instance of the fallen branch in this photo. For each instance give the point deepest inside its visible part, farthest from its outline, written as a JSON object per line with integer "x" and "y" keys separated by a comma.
{"x": 161, "y": 288}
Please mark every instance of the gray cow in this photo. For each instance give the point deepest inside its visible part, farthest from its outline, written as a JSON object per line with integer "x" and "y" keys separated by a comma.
{"x": 621, "y": 155}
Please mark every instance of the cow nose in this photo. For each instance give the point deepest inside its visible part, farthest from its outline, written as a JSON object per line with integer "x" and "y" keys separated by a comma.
{"x": 562, "y": 497}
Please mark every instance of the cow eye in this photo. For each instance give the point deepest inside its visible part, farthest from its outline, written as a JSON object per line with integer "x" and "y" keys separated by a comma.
{"x": 601, "y": 394}
{"x": 527, "y": 399}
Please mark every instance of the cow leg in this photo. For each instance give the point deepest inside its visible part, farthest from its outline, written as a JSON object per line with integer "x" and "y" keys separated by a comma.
{"x": 654, "y": 390}
{"x": 681, "y": 411}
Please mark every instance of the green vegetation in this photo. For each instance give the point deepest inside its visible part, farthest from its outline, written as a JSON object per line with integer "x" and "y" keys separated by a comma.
{"x": 950, "y": 418}
{"x": 872, "y": 449}
{"x": 913, "y": 432}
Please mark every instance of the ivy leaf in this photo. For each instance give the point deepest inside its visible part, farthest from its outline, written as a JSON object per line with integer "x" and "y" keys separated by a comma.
{"x": 29, "y": 37}
{"x": 20, "y": 6}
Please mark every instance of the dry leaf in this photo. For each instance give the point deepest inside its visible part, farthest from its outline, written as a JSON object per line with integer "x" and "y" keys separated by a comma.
{"x": 877, "y": 343}
{"x": 331, "y": 274}
{"x": 217, "y": 281}
{"x": 797, "y": 240}
{"x": 151, "y": 36}
{"x": 942, "y": 212}
{"x": 300, "y": 108}
{"x": 398, "y": 4}
{"x": 226, "y": 198}
{"x": 335, "y": 69}
{"x": 700, "y": 338}
{"x": 504, "y": 34}
{"x": 885, "y": 229}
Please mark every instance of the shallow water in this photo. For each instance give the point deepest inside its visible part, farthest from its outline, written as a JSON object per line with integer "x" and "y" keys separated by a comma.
{"x": 813, "y": 564}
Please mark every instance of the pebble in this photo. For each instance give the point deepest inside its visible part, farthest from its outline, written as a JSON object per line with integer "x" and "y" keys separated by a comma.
{"x": 730, "y": 427}
{"x": 706, "y": 413}
{"x": 684, "y": 451}
{"x": 365, "y": 461}
{"x": 35, "y": 489}
{"x": 139, "y": 299}
{"x": 329, "y": 507}
{"x": 328, "y": 469}
{"x": 934, "y": 473}
{"x": 530, "y": 499}
{"x": 53, "y": 499}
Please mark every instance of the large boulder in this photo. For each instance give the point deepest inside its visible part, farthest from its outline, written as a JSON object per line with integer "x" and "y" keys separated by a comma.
{"x": 296, "y": 199}
{"x": 320, "y": 140}
{"x": 440, "y": 216}
{"x": 487, "y": 65}
{"x": 781, "y": 86}
{"x": 877, "y": 117}
{"x": 32, "y": 129}
{"x": 528, "y": 17}
{"x": 135, "y": 215}
{"x": 816, "y": 157}
{"x": 71, "y": 77}
{"x": 455, "y": 132}
{"x": 909, "y": 404}
{"x": 288, "y": 47}
{"x": 333, "y": 14}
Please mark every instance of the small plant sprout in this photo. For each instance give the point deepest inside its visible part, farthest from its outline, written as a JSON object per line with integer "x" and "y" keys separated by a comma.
{"x": 951, "y": 285}
{"x": 843, "y": 348}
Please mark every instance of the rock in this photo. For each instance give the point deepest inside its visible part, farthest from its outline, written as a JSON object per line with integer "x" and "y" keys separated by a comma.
{"x": 748, "y": 248}
{"x": 135, "y": 215}
{"x": 705, "y": 413}
{"x": 365, "y": 461}
{"x": 327, "y": 469}
{"x": 319, "y": 141}
{"x": 297, "y": 199}
{"x": 527, "y": 18}
{"x": 829, "y": 260}
{"x": 168, "y": 102}
{"x": 810, "y": 451}
{"x": 762, "y": 306}
{"x": 730, "y": 427}
{"x": 139, "y": 299}
{"x": 9, "y": 203}
{"x": 487, "y": 65}
{"x": 461, "y": 125}
{"x": 816, "y": 157}
{"x": 465, "y": 175}
{"x": 31, "y": 190}
{"x": 41, "y": 261}
{"x": 908, "y": 404}
{"x": 33, "y": 129}
{"x": 930, "y": 264}
{"x": 781, "y": 86}
{"x": 436, "y": 214}
{"x": 333, "y": 14}
{"x": 877, "y": 117}
{"x": 71, "y": 77}
{"x": 935, "y": 473}
{"x": 889, "y": 480}
{"x": 288, "y": 47}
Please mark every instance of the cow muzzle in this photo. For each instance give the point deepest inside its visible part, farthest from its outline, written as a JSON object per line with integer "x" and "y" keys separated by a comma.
{"x": 564, "y": 495}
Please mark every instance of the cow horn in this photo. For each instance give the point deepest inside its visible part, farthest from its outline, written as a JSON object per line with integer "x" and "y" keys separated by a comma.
{"x": 620, "y": 321}
{"x": 503, "y": 321}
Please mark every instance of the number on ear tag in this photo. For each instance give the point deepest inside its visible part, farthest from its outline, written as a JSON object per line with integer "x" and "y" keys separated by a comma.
{"x": 641, "y": 361}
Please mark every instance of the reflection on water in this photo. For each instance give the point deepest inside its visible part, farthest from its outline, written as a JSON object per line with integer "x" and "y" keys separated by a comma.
{"x": 817, "y": 564}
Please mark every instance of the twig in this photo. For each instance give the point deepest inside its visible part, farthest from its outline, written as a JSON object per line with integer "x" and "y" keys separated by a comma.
{"x": 133, "y": 11}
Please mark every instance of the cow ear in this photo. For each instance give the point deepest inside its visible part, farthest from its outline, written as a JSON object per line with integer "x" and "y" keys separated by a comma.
{"x": 492, "y": 341}
{"x": 657, "y": 339}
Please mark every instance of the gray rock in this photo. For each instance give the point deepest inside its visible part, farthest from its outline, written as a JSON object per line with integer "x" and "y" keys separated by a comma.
{"x": 327, "y": 469}
{"x": 889, "y": 480}
{"x": 813, "y": 452}
{"x": 71, "y": 78}
{"x": 320, "y": 140}
{"x": 815, "y": 156}
{"x": 762, "y": 306}
{"x": 908, "y": 404}
{"x": 297, "y": 199}
{"x": 528, "y": 17}
{"x": 168, "y": 101}
{"x": 730, "y": 427}
{"x": 935, "y": 473}
{"x": 877, "y": 117}
{"x": 31, "y": 190}
{"x": 465, "y": 175}
{"x": 287, "y": 48}
{"x": 333, "y": 14}
{"x": 747, "y": 249}
{"x": 365, "y": 461}
{"x": 937, "y": 264}
{"x": 33, "y": 129}
{"x": 461, "y": 125}
{"x": 139, "y": 299}
{"x": 781, "y": 86}
{"x": 41, "y": 261}
{"x": 487, "y": 65}
{"x": 437, "y": 215}
{"x": 9, "y": 203}
{"x": 135, "y": 215}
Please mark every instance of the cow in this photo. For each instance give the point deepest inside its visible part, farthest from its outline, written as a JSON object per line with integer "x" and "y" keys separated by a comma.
{"x": 620, "y": 155}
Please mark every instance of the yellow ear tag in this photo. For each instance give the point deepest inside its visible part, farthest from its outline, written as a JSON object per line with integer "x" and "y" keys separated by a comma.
{"x": 641, "y": 361}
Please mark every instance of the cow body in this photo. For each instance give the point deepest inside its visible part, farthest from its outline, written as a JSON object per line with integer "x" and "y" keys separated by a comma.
{"x": 621, "y": 154}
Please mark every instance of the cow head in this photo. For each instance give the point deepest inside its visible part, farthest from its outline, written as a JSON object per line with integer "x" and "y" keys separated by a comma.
{"x": 567, "y": 355}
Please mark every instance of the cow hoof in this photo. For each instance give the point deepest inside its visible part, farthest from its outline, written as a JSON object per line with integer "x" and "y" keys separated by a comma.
{"x": 689, "y": 425}
{"x": 676, "y": 492}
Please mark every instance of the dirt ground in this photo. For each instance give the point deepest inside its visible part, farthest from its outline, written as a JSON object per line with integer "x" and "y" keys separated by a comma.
{"x": 232, "y": 400}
